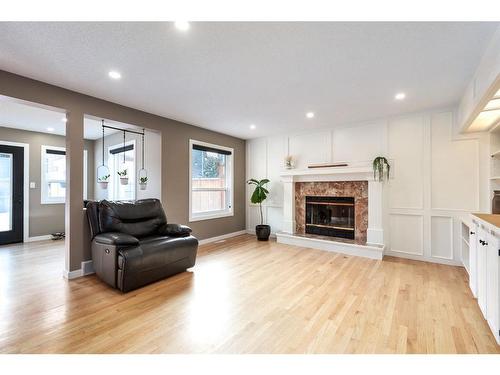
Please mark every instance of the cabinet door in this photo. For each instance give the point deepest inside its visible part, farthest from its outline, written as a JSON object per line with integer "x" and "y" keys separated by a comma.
{"x": 473, "y": 259}
{"x": 481, "y": 270}
{"x": 492, "y": 292}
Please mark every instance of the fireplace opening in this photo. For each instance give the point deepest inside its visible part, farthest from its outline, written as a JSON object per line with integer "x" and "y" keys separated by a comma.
{"x": 330, "y": 216}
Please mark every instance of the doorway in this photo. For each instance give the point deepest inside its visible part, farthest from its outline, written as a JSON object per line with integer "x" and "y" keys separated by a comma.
{"x": 11, "y": 194}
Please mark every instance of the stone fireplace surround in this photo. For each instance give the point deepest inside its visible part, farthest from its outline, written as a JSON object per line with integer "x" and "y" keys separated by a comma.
{"x": 297, "y": 182}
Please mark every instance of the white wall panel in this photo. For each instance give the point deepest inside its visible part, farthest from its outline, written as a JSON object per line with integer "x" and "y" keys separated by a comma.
{"x": 406, "y": 233}
{"x": 406, "y": 139}
{"x": 275, "y": 218}
{"x": 442, "y": 237}
{"x": 309, "y": 148}
{"x": 361, "y": 143}
{"x": 455, "y": 166}
{"x": 276, "y": 152}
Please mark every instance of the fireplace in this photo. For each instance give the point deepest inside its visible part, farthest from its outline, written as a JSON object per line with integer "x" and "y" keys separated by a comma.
{"x": 330, "y": 216}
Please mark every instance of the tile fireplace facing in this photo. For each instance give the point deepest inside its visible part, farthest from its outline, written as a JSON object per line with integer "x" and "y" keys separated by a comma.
{"x": 336, "y": 209}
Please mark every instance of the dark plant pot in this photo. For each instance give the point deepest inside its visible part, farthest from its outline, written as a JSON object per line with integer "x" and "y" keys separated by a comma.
{"x": 262, "y": 232}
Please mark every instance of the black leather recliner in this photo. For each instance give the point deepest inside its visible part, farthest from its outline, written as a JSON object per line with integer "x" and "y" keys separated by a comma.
{"x": 132, "y": 244}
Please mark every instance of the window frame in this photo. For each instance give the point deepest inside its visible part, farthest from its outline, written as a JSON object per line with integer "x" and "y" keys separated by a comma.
{"x": 229, "y": 184}
{"x": 114, "y": 184}
{"x": 44, "y": 199}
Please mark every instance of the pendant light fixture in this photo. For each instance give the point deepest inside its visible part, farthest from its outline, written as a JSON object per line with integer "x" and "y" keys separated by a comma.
{"x": 143, "y": 173}
{"x": 123, "y": 172}
{"x": 102, "y": 170}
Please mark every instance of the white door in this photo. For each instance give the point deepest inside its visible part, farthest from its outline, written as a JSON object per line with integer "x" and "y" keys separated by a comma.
{"x": 473, "y": 259}
{"x": 481, "y": 270}
{"x": 492, "y": 293}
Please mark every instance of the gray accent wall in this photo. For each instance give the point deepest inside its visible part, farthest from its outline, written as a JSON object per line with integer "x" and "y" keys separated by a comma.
{"x": 45, "y": 218}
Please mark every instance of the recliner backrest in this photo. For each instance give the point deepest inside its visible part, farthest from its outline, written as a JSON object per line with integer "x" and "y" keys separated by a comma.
{"x": 141, "y": 218}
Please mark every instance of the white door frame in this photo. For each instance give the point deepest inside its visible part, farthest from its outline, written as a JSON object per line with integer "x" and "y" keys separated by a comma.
{"x": 26, "y": 183}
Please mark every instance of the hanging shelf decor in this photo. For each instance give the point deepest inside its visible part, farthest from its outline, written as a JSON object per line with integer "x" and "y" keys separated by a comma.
{"x": 102, "y": 170}
{"x": 123, "y": 171}
{"x": 143, "y": 173}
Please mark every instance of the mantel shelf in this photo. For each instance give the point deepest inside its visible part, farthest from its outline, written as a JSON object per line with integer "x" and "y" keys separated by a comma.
{"x": 327, "y": 171}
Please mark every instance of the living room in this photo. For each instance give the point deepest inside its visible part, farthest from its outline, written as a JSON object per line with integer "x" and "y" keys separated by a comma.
{"x": 278, "y": 187}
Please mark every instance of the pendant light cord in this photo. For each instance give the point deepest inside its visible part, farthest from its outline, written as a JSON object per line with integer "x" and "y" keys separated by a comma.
{"x": 124, "y": 148}
{"x": 102, "y": 142}
{"x": 142, "y": 148}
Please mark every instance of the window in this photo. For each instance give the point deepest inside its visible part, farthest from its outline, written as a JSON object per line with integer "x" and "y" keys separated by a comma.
{"x": 211, "y": 181}
{"x": 117, "y": 191}
{"x": 53, "y": 175}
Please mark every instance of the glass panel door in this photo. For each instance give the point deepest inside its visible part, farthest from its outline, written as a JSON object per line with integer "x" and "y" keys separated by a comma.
{"x": 6, "y": 186}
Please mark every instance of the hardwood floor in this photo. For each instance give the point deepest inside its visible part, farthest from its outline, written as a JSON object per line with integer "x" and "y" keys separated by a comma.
{"x": 242, "y": 297}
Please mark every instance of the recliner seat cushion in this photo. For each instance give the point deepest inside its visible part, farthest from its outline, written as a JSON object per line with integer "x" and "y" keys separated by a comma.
{"x": 139, "y": 219}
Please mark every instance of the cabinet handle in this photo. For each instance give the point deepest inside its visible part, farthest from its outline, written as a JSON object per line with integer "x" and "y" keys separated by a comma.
{"x": 471, "y": 232}
{"x": 481, "y": 242}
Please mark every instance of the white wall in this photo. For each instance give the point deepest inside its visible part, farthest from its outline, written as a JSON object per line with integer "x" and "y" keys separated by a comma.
{"x": 437, "y": 177}
{"x": 152, "y": 144}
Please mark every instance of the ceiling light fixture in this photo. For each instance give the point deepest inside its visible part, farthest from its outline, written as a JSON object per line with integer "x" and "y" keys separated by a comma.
{"x": 50, "y": 129}
{"x": 400, "y": 96}
{"x": 182, "y": 25}
{"x": 310, "y": 114}
{"x": 252, "y": 126}
{"x": 114, "y": 74}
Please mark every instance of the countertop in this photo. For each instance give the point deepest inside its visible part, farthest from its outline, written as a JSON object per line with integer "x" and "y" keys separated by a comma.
{"x": 491, "y": 219}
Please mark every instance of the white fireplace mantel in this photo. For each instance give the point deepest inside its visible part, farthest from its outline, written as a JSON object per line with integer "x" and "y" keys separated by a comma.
{"x": 375, "y": 232}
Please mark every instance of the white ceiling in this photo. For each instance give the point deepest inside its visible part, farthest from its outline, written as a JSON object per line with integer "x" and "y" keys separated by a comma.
{"x": 20, "y": 115}
{"x": 225, "y": 76}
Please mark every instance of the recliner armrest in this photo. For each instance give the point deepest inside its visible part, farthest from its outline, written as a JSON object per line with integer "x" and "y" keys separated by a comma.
{"x": 176, "y": 230}
{"x": 116, "y": 239}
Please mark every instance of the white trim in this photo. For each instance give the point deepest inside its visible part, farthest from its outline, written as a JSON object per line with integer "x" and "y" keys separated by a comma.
{"x": 422, "y": 258}
{"x": 26, "y": 183}
{"x": 212, "y": 214}
{"x": 70, "y": 275}
{"x": 39, "y": 238}
{"x": 221, "y": 237}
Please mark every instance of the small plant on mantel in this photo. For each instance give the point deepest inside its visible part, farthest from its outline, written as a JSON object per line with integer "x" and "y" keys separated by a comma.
{"x": 381, "y": 169}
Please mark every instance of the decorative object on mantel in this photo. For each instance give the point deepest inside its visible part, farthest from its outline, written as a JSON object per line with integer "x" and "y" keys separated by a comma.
{"x": 328, "y": 165}
{"x": 381, "y": 169}
{"x": 259, "y": 195}
{"x": 289, "y": 164}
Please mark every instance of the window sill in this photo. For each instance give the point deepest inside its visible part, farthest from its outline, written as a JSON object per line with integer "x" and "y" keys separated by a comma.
{"x": 210, "y": 216}
{"x": 49, "y": 202}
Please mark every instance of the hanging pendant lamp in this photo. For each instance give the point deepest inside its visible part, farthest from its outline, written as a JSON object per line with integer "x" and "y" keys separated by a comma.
{"x": 143, "y": 173}
{"x": 102, "y": 170}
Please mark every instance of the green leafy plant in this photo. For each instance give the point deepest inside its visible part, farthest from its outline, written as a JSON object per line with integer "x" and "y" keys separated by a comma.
{"x": 259, "y": 195}
{"x": 122, "y": 174}
{"x": 103, "y": 178}
{"x": 143, "y": 180}
{"x": 381, "y": 169}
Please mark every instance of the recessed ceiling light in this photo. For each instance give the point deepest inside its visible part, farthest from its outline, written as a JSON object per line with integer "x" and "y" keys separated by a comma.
{"x": 50, "y": 129}
{"x": 114, "y": 74}
{"x": 252, "y": 126}
{"x": 182, "y": 25}
{"x": 400, "y": 96}
{"x": 310, "y": 114}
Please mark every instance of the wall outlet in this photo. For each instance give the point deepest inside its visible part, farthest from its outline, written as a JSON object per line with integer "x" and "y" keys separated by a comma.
{"x": 32, "y": 185}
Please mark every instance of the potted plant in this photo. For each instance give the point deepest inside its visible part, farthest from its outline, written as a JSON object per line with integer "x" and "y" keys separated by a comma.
{"x": 259, "y": 195}
{"x": 143, "y": 181}
{"x": 381, "y": 169}
{"x": 103, "y": 181}
{"x": 123, "y": 177}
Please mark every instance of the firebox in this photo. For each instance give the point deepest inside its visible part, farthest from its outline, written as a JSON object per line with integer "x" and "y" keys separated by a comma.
{"x": 330, "y": 216}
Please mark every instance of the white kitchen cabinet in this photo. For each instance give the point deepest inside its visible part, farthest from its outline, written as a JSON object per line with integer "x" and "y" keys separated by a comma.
{"x": 492, "y": 285}
{"x": 473, "y": 259}
{"x": 482, "y": 248}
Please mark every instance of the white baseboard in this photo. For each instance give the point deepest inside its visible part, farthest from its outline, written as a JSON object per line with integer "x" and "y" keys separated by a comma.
{"x": 222, "y": 237}
{"x": 70, "y": 275}
{"x": 39, "y": 238}
{"x": 448, "y": 262}
{"x": 252, "y": 232}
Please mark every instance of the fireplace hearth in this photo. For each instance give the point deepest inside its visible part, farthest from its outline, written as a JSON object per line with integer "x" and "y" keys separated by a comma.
{"x": 330, "y": 216}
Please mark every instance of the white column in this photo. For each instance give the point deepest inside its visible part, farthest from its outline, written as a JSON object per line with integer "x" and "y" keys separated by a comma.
{"x": 288, "y": 204}
{"x": 375, "y": 232}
